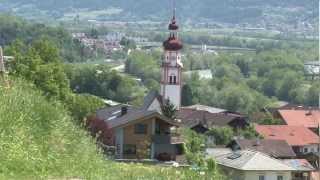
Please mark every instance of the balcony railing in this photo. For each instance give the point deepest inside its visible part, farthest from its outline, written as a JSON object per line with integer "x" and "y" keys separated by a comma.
{"x": 167, "y": 139}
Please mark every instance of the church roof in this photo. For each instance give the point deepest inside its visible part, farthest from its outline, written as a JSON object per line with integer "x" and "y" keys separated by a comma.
{"x": 152, "y": 95}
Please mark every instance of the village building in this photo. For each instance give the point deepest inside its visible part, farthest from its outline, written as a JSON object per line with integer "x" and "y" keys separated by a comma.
{"x": 201, "y": 118}
{"x": 142, "y": 129}
{"x": 309, "y": 118}
{"x": 252, "y": 165}
{"x": 303, "y": 169}
{"x": 303, "y": 141}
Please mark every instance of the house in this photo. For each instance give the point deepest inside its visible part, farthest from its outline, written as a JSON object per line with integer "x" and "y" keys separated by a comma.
{"x": 278, "y": 149}
{"x": 143, "y": 129}
{"x": 252, "y": 165}
{"x": 303, "y": 169}
{"x": 301, "y": 139}
{"x": 309, "y": 118}
{"x": 202, "y": 118}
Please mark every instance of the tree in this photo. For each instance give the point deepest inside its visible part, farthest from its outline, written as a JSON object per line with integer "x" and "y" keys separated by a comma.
{"x": 169, "y": 110}
{"x": 128, "y": 44}
{"x": 94, "y": 33}
{"x": 194, "y": 147}
{"x": 186, "y": 95}
{"x": 100, "y": 130}
{"x": 221, "y": 135}
{"x": 40, "y": 63}
{"x": 82, "y": 106}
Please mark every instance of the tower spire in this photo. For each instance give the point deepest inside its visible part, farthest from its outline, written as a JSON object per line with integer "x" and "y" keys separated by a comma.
{"x": 174, "y": 10}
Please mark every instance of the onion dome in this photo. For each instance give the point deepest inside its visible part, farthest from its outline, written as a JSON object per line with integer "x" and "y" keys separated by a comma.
{"x": 173, "y": 25}
{"x": 172, "y": 44}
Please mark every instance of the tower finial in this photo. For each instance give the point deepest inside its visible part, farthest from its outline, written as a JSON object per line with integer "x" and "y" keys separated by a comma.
{"x": 174, "y": 9}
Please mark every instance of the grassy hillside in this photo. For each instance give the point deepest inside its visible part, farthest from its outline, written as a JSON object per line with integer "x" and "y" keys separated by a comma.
{"x": 39, "y": 141}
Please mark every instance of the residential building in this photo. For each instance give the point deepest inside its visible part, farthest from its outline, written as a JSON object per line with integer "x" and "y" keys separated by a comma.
{"x": 252, "y": 165}
{"x": 142, "y": 129}
{"x": 303, "y": 169}
{"x": 301, "y": 139}
{"x": 278, "y": 149}
{"x": 202, "y": 118}
{"x": 309, "y": 118}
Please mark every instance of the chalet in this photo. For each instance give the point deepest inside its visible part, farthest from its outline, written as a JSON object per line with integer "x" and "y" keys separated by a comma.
{"x": 252, "y": 165}
{"x": 202, "y": 118}
{"x": 278, "y": 149}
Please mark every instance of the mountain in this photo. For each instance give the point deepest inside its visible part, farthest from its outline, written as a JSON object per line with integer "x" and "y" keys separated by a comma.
{"x": 234, "y": 11}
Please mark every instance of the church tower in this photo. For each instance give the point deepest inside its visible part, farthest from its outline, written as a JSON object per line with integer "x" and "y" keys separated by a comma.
{"x": 171, "y": 79}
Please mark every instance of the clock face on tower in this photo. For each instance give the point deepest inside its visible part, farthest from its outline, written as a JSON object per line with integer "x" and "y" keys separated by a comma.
{"x": 172, "y": 66}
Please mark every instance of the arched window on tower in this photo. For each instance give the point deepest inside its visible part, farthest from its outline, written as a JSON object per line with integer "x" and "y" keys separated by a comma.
{"x": 172, "y": 79}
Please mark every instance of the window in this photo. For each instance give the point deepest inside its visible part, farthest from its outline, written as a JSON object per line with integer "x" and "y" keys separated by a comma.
{"x": 261, "y": 177}
{"x": 140, "y": 129}
{"x": 280, "y": 178}
{"x": 129, "y": 149}
{"x": 305, "y": 150}
{"x": 174, "y": 80}
{"x": 170, "y": 81}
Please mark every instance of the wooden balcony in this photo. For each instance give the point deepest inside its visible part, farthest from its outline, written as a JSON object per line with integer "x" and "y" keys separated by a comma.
{"x": 167, "y": 139}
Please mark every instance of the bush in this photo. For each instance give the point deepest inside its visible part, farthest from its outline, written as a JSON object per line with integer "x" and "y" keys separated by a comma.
{"x": 221, "y": 135}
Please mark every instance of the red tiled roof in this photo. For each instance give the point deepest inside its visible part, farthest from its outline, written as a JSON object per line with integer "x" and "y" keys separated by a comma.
{"x": 309, "y": 119}
{"x": 294, "y": 135}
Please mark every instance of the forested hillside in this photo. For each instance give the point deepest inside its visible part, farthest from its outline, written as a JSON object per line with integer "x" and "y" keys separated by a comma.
{"x": 226, "y": 11}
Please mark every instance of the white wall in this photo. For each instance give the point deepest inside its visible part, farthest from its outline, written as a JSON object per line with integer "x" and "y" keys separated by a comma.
{"x": 173, "y": 93}
{"x": 155, "y": 106}
{"x": 310, "y": 148}
{"x": 269, "y": 175}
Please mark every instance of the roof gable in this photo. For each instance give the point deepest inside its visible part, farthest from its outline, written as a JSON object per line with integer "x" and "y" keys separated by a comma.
{"x": 153, "y": 101}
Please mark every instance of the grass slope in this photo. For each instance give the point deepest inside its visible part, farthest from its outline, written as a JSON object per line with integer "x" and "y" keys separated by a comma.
{"x": 39, "y": 141}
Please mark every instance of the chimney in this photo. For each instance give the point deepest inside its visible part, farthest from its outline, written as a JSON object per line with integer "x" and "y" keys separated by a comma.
{"x": 124, "y": 110}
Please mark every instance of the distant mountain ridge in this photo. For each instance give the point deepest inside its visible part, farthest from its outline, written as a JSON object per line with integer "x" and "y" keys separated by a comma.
{"x": 233, "y": 11}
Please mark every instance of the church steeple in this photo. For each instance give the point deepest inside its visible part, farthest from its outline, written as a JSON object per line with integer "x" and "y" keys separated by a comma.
{"x": 171, "y": 79}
